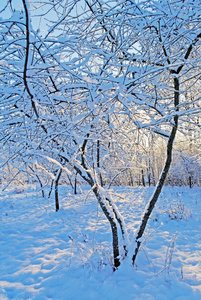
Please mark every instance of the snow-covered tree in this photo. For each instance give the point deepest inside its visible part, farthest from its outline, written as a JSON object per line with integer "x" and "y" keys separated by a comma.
{"x": 91, "y": 90}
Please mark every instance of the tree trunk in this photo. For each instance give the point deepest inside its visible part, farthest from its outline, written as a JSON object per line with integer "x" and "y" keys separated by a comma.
{"x": 75, "y": 185}
{"x": 98, "y": 162}
{"x": 163, "y": 175}
{"x": 113, "y": 225}
{"x": 190, "y": 181}
{"x": 143, "y": 180}
{"x": 58, "y": 174}
{"x": 111, "y": 217}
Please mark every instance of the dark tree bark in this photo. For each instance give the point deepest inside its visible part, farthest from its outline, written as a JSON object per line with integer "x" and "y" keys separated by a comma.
{"x": 98, "y": 162}
{"x": 190, "y": 182}
{"x": 113, "y": 225}
{"x": 112, "y": 220}
{"x": 163, "y": 176}
{"x": 75, "y": 185}
{"x": 58, "y": 175}
{"x": 27, "y": 58}
{"x": 51, "y": 187}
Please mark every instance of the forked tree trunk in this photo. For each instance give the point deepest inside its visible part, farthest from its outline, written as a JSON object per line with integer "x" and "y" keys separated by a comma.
{"x": 111, "y": 217}
{"x": 120, "y": 220}
{"x": 113, "y": 225}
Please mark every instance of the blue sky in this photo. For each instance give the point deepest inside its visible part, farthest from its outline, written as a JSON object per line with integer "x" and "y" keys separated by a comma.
{"x": 36, "y": 19}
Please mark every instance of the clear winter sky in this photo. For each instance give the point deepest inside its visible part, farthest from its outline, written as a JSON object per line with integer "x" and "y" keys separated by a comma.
{"x": 35, "y": 12}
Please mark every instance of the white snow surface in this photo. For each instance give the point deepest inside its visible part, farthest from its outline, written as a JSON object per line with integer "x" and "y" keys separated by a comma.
{"x": 68, "y": 254}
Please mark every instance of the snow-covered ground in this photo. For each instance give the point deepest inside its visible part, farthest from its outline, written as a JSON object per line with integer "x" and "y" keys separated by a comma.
{"x": 67, "y": 254}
